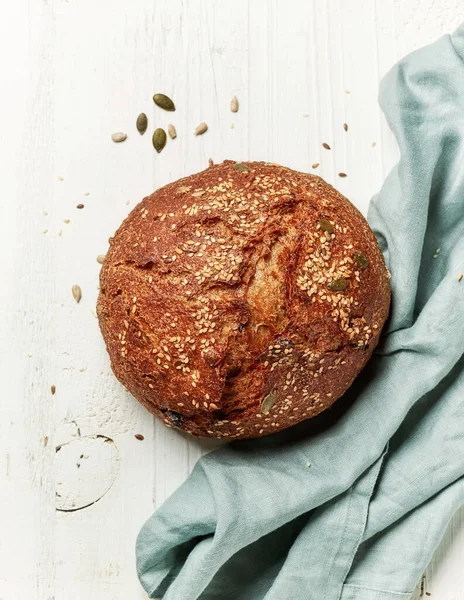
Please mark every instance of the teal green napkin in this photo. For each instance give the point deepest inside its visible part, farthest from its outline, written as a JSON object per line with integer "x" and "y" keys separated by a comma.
{"x": 352, "y": 504}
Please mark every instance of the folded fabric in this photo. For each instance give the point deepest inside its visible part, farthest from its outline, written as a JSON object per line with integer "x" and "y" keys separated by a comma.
{"x": 352, "y": 504}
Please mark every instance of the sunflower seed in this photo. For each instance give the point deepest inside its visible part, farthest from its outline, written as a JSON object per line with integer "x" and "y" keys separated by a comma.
{"x": 164, "y": 102}
{"x": 172, "y": 131}
{"x": 326, "y": 146}
{"x": 142, "y": 123}
{"x": 241, "y": 167}
{"x": 159, "y": 139}
{"x": 201, "y": 129}
{"x": 77, "y": 293}
{"x": 234, "y": 104}
{"x": 101, "y": 258}
{"x": 267, "y": 403}
{"x": 361, "y": 260}
{"x": 326, "y": 225}
{"x": 337, "y": 285}
{"x": 118, "y": 137}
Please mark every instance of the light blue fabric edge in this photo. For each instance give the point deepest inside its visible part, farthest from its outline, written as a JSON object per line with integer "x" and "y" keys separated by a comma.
{"x": 356, "y": 592}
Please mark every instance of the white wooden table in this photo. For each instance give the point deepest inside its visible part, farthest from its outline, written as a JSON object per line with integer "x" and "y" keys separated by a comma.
{"x": 75, "y": 484}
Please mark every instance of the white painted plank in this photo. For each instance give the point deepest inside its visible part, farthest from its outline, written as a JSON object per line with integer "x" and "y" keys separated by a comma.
{"x": 79, "y": 70}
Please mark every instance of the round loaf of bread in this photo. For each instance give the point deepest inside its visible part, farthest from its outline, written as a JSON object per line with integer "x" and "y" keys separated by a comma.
{"x": 241, "y": 300}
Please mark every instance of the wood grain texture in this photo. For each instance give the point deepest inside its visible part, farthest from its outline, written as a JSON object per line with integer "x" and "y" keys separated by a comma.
{"x": 74, "y": 72}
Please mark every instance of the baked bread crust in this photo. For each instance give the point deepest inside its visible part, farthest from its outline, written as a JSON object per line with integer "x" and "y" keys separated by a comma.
{"x": 241, "y": 300}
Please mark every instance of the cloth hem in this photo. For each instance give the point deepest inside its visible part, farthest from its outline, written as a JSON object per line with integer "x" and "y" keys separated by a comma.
{"x": 358, "y": 592}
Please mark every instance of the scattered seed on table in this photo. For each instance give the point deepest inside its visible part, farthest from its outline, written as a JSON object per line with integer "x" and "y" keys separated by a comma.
{"x": 45, "y": 442}
{"x": 80, "y": 205}
{"x": 201, "y": 129}
{"x": 119, "y": 137}
{"x": 53, "y": 389}
{"x": 159, "y": 139}
{"x": 308, "y": 464}
{"x": 314, "y": 165}
{"x": 45, "y": 213}
{"x": 66, "y": 221}
{"x": 342, "y": 174}
{"x": 77, "y": 293}
{"x": 60, "y": 178}
{"x": 101, "y": 258}
{"x": 44, "y": 230}
{"x": 172, "y": 131}
{"x": 373, "y": 144}
{"x": 87, "y": 194}
{"x": 305, "y": 115}
{"x": 164, "y": 102}
{"x": 326, "y": 146}
{"x": 142, "y": 123}
{"x": 139, "y": 436}
{"x": 60, "y": 232}
{"x": 345, "y": 126}
{"x": 234, "y": 104}
{"x": 459, "y": 277}
{"x": 347, "y": 92}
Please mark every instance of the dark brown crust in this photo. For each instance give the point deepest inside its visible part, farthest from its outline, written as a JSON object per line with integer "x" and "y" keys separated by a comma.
{"x": 216, "y": 306}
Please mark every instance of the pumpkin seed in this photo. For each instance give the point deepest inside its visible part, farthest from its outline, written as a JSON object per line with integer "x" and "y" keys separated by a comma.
{"x": 326, "y": 146}
{"x": 142, "y": 123}
{"x": 267, "y": 403}
{"x": 118, "y": 137}
{"x": 164, "y": 102}
{"x": 361, "y": 260}
{"x": 172, "y": 131}
{"x": 234, "y": 104}
{"x": 338, "y": 285}
{"x": 159, "y": 139}
{"x": 77, "y": 293}
{"x": 241, "y": 167}
{"x": 201, "y": 129}
{"x": 326, "y": 225}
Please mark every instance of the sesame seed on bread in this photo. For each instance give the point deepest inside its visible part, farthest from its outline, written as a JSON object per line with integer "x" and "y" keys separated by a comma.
{"x": 241, "y": 300}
